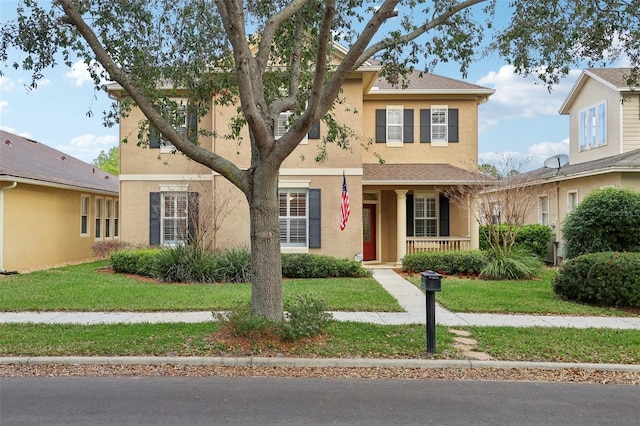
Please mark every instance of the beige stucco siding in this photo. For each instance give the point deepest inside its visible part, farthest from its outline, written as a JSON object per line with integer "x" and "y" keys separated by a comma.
{"x": 594, "y": 93}
{"x": 42, "y": 226}
{"x": 463, "y": 153}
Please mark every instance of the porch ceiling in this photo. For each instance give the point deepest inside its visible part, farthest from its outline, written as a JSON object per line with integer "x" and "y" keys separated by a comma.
{"x": 420, "y": 174}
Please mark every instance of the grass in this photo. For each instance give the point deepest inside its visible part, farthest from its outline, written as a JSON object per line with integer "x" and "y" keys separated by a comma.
{"x": 342, "y": 339}
{"x": 83, "y": 288}
{"x": 511, "y": 297}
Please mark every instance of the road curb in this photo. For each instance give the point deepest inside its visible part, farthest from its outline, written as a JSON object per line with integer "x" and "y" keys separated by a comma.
{"x": 284, "y": 362}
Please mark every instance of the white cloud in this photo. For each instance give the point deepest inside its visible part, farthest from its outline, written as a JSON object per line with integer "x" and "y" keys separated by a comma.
{"x": 518, "y": 97}
{"x": 530, "y": 160}
{"x": 87, "y": 147}
{"x": 15, "y": 131}
{"x": 6, "y": 83}
{"x": 80, "y": 73}
{"x": 3, "y": 106}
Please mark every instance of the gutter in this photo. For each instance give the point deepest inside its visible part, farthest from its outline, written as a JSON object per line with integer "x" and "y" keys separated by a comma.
{"x": 12, "y": 186}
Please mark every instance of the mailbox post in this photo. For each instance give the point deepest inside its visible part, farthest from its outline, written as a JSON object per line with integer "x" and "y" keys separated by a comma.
{"x": 430, "y": 283}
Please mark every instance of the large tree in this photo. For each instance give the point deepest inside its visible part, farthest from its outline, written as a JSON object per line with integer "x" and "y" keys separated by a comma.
{"x": 272, "y": 56}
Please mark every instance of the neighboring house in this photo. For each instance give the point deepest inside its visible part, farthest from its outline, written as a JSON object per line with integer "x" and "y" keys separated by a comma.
{"x": 426, "y": 133}
{"x": 53, "y": 207}
{"x": 604, "y": 147}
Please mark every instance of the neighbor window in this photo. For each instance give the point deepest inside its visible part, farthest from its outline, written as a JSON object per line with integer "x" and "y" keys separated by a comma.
{"x": 85, "y": 207}
{"x": 116, "y": 219}
{"x": 543, "y": 208}
{"x": 572, "y": 200}
{"x": 425, "y": 216}
{"x": 108, "y": 211}
{"x": 98, "y": 231}
{"x": 593, "y": 126}
{"x": 174, "y": 218}
{"x": 293, "y": 217}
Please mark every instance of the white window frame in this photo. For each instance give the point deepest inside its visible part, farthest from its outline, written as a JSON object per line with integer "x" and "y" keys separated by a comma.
{"x": 543, "y": 212}
{"x": 292, "y": 215}
{"x": 108, "y": 218}
{"x": 425, "y": 218}
{"x": 439, "y": 125}
{"x": 282, "y": 127}
{"x": 166, "y": 146}
{"x": 85, "y": 215}
{"x": 99, "y": 224}
{"x": 572, "y": 200}
{"x": 170, "y": 219}
{"x": 592, "y": 126}
{"x": 393, "y": 126}
{"x": 116, "y": 219}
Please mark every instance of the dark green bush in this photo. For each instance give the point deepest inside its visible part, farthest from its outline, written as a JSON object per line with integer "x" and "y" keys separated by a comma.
{"x": 606, "y": 220}
{"x": 233, "y": 265}
{"x": 318, "y": 266}
{"x": 470, "y": 262}
{"x": 137, "y": 261}
{"x": 534, "y": 238}
{"x": 520, "y": 264}
{"x": 606, "y": 279}
{"x": 184, "y": 263}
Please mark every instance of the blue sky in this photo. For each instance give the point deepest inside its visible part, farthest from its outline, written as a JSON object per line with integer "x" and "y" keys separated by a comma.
{"x": 520, "y": 120}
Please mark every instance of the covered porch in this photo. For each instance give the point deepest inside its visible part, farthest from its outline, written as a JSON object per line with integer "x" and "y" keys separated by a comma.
{"x": 406, "y": 210}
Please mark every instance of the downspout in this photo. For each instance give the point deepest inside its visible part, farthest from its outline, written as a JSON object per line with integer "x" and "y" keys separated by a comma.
{"x": 13, "y": 185}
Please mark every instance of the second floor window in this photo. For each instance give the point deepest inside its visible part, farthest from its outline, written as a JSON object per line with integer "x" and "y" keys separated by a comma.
{"x": 593, "y": 126}
{"x": 439, "y": 124}
{"x": 394, "y": 125}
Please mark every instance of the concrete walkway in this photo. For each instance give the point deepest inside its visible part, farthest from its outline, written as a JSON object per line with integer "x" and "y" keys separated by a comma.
{"x": 409, "y": 297}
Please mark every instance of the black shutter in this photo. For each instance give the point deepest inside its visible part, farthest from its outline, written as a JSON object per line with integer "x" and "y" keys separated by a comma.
{"x": 452, "y": 129}
{"x": 381, "y": 125}
{"x": 315, "y": 218}
{"x": 154, "y": 218}
{"x": 409, "y": 215}
{"x": 425, "y": 126}
{"x": 444, "y": 216}
{"x": 192, "y": 123}
{"x": 314, "y": 131}
{"x": 407, "y": 125}
{"x": 193, "y": 216}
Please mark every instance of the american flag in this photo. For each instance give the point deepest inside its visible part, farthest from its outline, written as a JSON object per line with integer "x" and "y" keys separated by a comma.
{"x": 344, "y": 205}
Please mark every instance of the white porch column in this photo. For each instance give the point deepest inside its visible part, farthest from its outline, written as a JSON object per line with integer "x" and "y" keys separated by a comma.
{"x": 474, "y": 226}
{"x": 401, "y": 223}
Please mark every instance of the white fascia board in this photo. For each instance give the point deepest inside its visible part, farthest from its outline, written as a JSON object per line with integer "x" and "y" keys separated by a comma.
{"x": 56, "y": 185}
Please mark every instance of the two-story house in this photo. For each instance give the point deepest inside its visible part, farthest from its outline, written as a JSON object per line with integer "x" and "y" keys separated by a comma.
{"x": 604, "y": 146}
{"x": 408, "y": 145}
{"x": 53, "y": 207}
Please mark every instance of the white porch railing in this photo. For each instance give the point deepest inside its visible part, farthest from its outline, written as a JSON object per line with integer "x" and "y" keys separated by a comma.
{"x": 421, "y": 244}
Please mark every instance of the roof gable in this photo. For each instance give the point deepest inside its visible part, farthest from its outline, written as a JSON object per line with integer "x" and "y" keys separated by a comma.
{"x": 22, "y": 158}
{"x": 613, "y": 78}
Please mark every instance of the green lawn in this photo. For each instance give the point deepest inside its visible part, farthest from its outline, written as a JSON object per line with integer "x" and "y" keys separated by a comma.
{"x": 84, "y": 288}
{"x": 510, "y": 297}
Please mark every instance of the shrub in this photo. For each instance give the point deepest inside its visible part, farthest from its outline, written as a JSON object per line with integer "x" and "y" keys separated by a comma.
{"x": 520, "y": 264}
{"x": 447, "y": 262}
{"x": 307, "y": 316}
{"x": 138, "y": 261}
{"x": 606, "y": 220}
{"x": 243, "y": 323}
{"x": 318, "y": 266}
{"x": 534, "y": 238}
{"x": 607, "y": 279}
{"x": 184, "y": 263}
{"x": 233, "y": 265}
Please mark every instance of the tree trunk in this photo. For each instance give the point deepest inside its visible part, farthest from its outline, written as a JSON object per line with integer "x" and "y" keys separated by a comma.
{"x": 266, "y": 263}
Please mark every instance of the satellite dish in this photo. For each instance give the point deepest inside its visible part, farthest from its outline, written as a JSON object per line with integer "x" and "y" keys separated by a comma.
{"x": 556, "y": 161}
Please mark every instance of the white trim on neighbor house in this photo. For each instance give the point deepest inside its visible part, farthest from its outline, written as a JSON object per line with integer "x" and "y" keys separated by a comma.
{"x": 208, "y": 177}
{"x": 57, "y": 185}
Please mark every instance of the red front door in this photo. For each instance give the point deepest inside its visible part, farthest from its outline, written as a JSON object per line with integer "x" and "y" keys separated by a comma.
{"x": 369, "y": 232}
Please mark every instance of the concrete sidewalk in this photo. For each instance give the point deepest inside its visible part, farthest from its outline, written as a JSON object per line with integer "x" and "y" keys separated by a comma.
{"x": 409, "y": 297}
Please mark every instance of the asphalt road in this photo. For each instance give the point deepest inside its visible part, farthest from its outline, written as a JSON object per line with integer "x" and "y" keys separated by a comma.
{"x": 157, "y": 401}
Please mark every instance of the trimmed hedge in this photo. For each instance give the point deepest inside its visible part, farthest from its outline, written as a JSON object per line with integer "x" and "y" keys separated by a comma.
{"x": 139, "y": 261}
{"x": 534, "y": 238}
{"x": 607, "y": 279}
{"x": 470, "y": 262}
{"x": 319, "y": 266}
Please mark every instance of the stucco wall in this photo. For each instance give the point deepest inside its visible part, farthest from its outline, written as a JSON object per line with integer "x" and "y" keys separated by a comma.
{"x": 42, "y": 227}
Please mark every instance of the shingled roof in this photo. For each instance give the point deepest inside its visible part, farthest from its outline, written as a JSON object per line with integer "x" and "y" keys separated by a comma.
{"x": 420, "y": 174}
{"x": 23, "y": 159}
{"x": 613, "y": 78}
{"x": 627, "y": 162}
{"x": 429, "y": 83}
